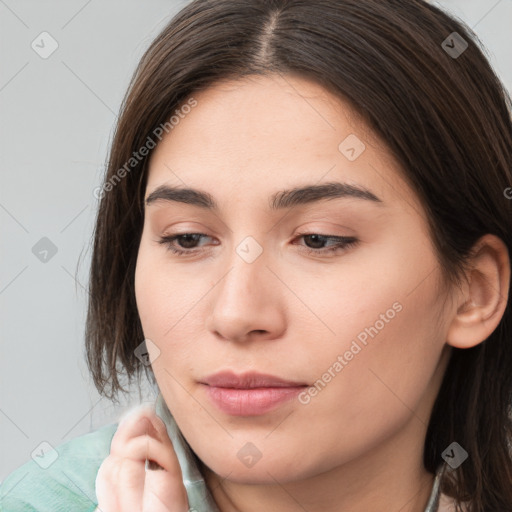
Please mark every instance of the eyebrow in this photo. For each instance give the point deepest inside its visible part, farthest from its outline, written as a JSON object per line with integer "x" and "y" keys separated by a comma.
{"x": 278, "y": 201}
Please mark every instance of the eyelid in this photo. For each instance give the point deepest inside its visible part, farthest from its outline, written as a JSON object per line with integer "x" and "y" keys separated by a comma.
{"x": 342, "y": 244}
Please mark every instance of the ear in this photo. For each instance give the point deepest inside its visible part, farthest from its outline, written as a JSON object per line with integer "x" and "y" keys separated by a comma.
{"x": 482, "y": 301}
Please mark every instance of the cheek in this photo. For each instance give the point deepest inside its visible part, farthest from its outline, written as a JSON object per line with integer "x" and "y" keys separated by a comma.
{"x": 145, "y": 277}
{"x": 160, "y": 291}
{"x": 386, "y": 370}
{"x": 387, "y": 341}
{"x": 168, "y": 303}
{"x": 153, "y": 304}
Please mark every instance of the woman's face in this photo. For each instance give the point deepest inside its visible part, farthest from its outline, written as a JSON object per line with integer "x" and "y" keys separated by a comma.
{"x": 364, "y": 325}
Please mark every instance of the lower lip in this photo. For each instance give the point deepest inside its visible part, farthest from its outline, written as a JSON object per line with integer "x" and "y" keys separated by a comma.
{"x": 251, "y": 402}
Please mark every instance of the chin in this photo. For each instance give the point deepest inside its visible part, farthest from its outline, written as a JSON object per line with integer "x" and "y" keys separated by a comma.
{"x": 261, "y": 472}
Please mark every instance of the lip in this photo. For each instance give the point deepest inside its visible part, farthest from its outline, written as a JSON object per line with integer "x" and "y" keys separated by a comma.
{"x": 248, "y": 380}
{"x": 251, "y": 393}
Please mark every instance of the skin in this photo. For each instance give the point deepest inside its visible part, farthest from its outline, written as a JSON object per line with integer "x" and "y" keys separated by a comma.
{"x": 357, "y": 445}
{"x": 122, "y": 482}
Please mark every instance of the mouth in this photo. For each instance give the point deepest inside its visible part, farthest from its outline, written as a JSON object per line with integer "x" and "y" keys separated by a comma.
{"x": 249, "y": 394}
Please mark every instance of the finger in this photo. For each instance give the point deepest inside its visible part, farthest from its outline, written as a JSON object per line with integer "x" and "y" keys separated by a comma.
{"x": 164, "y": 493}
{"x": 145, "y": 447}
{"x": 131, "y": 426}
{"x": 171, "y": 462}
{"x": 159, "y": 426}
{"x": 130, "y": 485}
{"x": 142, "y": 436}
{"x": 155, "y": 491}
{"x": 104, "y": 488}
{"x": 120, "y": 485}
{"x": 146, "y": 425}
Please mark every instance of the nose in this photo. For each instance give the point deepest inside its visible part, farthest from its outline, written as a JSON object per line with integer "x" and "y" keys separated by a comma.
{"x": 246, "y": 304}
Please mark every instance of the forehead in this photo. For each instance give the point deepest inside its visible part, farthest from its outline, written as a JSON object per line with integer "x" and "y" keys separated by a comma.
{"x": 259, "y": 134}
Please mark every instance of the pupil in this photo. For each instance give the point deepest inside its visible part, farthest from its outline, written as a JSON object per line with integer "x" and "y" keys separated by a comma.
{"x": 318, "y": 241}
{"x": 189, "y": 238}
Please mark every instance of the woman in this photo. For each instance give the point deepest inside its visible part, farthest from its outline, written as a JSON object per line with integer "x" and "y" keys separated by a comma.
{"x": 304, "y": 238}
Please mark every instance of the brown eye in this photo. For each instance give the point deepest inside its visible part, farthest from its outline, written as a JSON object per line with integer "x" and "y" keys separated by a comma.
{"x": 315, "y": 243}
{"x": 187, "y": 242}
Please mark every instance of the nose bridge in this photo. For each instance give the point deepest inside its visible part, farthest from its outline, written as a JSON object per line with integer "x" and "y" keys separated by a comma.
{"x": 244, "y": 281}
{"x": 242, "y": 302}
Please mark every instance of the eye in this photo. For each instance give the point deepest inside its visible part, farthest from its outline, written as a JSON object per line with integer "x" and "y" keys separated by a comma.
{"x": 188, "y": 243}
{"x": 341, "y": 243}
{"x": 189, "y": 239}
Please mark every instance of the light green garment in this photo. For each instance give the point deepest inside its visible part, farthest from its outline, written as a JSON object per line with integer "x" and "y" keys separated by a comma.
{"x": 68, "y": 484}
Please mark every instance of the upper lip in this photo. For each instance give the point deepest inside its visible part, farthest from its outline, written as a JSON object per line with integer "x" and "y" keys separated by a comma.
{"x": 248, "y": 380}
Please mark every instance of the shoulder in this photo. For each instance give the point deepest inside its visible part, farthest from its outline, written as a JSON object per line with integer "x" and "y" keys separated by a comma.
{"x": 59, "y": 479}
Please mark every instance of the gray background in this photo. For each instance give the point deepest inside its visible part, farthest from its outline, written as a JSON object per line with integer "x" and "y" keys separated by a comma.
{"x": 57, "y": 117}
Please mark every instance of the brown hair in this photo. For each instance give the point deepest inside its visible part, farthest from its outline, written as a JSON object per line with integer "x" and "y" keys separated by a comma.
{"x": 446, "y": 119}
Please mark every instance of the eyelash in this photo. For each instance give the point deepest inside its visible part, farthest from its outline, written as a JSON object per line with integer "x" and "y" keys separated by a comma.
{"x": 344, "y": 242}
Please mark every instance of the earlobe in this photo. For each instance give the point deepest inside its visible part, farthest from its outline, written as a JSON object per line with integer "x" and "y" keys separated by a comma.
{"x": 483, "y": 300}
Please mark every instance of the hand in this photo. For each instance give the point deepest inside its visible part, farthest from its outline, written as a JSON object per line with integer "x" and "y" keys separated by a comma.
{"x": 122, "y": 482}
